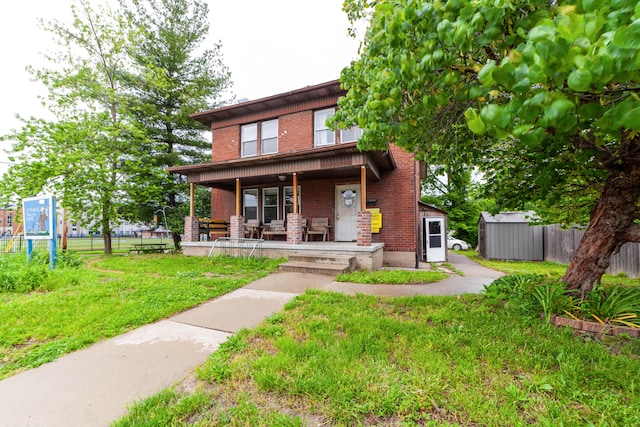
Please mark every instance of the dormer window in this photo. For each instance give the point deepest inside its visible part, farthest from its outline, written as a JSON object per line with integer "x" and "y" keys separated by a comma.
{"x": 322, "y": 134}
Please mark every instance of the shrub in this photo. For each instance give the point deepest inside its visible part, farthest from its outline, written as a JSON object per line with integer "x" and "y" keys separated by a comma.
{"x": 533, "y": 294}
{"x": 615, "y": 305}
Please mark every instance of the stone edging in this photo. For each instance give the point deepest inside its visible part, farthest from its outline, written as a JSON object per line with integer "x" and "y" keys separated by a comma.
{"x": 595, "y": 327}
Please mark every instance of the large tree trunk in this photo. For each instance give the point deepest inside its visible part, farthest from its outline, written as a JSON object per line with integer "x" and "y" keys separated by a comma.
{"x": 611, "y": 225}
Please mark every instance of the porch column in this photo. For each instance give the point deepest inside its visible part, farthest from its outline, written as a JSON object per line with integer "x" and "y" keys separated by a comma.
{"x": 363, "y": 188}
{"x": 191, "y": 229}
{"x": 192, "y": 197}
{"x": 238, "y": 197}
{"x": 236, "y": 227}
{"x": 295, "y": 193}
{"x": 294, "y": 228}
{"x": 364, "y": 228}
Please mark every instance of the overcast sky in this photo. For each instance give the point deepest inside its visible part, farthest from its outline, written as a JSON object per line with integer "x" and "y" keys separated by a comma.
{"x": 270, "y": 47}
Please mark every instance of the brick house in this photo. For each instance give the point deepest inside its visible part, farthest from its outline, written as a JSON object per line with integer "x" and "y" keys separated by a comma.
{"x": 275, "y": 159}
{"x": 8, "y": 223}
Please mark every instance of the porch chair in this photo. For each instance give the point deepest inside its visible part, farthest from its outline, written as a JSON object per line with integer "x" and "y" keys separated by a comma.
{"x": 274, "y": 228}
{"x": 319, "y": 226}
{"x": 252, "y": 227}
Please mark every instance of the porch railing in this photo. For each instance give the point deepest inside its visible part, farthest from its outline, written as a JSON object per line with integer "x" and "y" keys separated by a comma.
{"x": 237, "y": 247}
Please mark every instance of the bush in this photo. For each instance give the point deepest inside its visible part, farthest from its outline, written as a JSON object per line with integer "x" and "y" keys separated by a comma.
{"x": 616, "y": 305}
{"x": 18, "y": 276}
{"x": 533, "y": 294}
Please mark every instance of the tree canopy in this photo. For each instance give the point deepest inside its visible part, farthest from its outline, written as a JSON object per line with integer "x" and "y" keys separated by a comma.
{"x": 121, "y": 87}
{"x": 549, "y": 88}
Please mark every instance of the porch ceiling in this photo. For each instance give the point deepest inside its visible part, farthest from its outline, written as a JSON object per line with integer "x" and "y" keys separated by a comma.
{"x": 342, "y": 161}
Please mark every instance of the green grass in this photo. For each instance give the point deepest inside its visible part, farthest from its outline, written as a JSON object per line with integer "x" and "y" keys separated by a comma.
{"x": 550, "y": 270}
{"x": 331, "y": 359}
{"x": 109, "y": 296}
{"x": 392, "y": 277}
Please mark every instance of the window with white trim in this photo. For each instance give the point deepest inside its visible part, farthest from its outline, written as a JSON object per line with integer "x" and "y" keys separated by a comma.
{"x": 249, "y": 140}
{"x": 322, "y": 134}
{"x": 250, "y": 203}
{"x": 350, "y": 135}
{"x": 269, "y": 204}
{"x": 269, "y": 137}
{"x": 288, "y": 200}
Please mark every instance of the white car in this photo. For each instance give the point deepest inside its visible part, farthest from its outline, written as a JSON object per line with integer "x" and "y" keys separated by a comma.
{"x": 456, "y": 244}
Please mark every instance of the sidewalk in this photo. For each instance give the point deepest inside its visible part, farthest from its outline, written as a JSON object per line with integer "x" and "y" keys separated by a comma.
{"x": 92, "y": 387}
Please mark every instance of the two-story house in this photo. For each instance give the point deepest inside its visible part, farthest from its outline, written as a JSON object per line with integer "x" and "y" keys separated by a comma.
{"x": 275, "y": 159}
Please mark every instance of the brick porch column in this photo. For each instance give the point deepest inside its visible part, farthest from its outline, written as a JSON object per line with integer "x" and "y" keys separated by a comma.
{"x": 364, "y": 228}
{"x": 236, "y": 227}
{"x": 294, "y": 228}
{"x": 191, "y": 229}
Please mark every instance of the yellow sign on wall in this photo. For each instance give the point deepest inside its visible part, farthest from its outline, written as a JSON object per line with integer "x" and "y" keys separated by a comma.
{"x": 376, "y": 220}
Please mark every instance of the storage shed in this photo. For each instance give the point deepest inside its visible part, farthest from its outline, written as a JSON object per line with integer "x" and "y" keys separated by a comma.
{"x": 508, "y": 236}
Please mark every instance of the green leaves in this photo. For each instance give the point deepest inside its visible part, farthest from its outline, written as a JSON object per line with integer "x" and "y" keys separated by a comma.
{"x": 579, "y": 80}
{"x": 628, "y": 37}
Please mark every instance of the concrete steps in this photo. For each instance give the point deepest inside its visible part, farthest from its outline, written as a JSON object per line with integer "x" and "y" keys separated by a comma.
{"x": 319, "y": 264}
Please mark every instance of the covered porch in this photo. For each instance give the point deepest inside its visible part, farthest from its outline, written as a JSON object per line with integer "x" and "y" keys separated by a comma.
{"x": 332, "y": 179}
{"x": 366, "y": 257}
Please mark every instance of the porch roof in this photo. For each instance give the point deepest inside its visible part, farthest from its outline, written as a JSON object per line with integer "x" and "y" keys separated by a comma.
{"x": 336, "y": 161}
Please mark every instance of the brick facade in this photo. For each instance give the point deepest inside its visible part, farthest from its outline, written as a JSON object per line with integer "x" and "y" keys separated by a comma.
{"x": 364, "y": 228}
{"x": 236, "y": 227}
{"x": 396, "y": 193}
{"x": 191, "y": 229}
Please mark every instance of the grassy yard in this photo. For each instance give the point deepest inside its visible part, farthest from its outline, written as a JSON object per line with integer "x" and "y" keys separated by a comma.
{"x": 332, "y": 359}
{"x": 73, "y": 308}
{"x": 548, "y": 269}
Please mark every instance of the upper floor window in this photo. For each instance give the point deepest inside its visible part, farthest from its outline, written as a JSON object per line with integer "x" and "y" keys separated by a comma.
{"x": 249, "y": 139}
{"x": 322, "y": 134}
{"x": 350, "y": 135}
{"x": 269, "y": 137}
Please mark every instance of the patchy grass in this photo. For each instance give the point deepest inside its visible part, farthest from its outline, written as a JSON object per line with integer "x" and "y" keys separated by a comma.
{"x": 331, "y": 359}
{"x": 392, "y": 277}
{"x": 550, "y": 270}
{"x": 109, "y": 296}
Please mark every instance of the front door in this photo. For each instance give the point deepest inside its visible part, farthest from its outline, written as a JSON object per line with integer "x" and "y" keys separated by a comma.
{"x": 347, "y": 208}
{"x": 434, "y": 239}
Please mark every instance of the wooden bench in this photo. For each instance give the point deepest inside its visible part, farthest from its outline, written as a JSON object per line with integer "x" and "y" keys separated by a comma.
{"x": 320, "y": 227}
{"x": 213, "y": 227}
{"x": 274, "y": 228}
{"x": 149, "y": 248}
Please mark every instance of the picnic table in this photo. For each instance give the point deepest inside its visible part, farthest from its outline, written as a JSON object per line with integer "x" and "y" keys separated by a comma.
{"x": 148, "y": 248}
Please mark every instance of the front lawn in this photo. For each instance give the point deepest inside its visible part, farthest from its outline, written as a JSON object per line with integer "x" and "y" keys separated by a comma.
{"x": 550, "y": 270}
{"x": 72, "y": 308}
{"x": 332, "y": 359}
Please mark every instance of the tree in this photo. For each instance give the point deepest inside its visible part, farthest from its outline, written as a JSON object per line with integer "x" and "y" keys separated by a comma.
{"x": 172, "y": 80}
{"x": 92, "y": 155}
{"x": 551, "y": 86}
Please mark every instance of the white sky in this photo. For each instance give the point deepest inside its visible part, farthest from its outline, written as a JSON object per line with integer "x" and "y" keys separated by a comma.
{"x": 270, "y": 47}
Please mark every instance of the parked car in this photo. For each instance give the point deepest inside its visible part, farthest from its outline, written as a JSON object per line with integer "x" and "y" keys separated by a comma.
{"x": 457, "y": 244}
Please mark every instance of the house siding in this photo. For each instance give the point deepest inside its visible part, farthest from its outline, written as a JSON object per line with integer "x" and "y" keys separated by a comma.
{"x": 225, "y": 143}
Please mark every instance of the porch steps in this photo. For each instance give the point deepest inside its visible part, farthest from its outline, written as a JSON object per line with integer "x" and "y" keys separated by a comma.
{"x": 319, "y": 264}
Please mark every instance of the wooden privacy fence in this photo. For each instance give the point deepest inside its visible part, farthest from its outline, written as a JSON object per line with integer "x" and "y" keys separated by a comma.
{"x": 560, "y": 245}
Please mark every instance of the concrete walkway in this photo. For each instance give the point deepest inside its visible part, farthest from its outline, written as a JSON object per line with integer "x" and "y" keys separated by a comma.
{"x": 92, "y": 387}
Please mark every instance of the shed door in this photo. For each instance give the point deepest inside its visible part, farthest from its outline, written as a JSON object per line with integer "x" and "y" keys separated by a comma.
{"x": 347, "y": 208}
{"x": 435, "y": 240}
